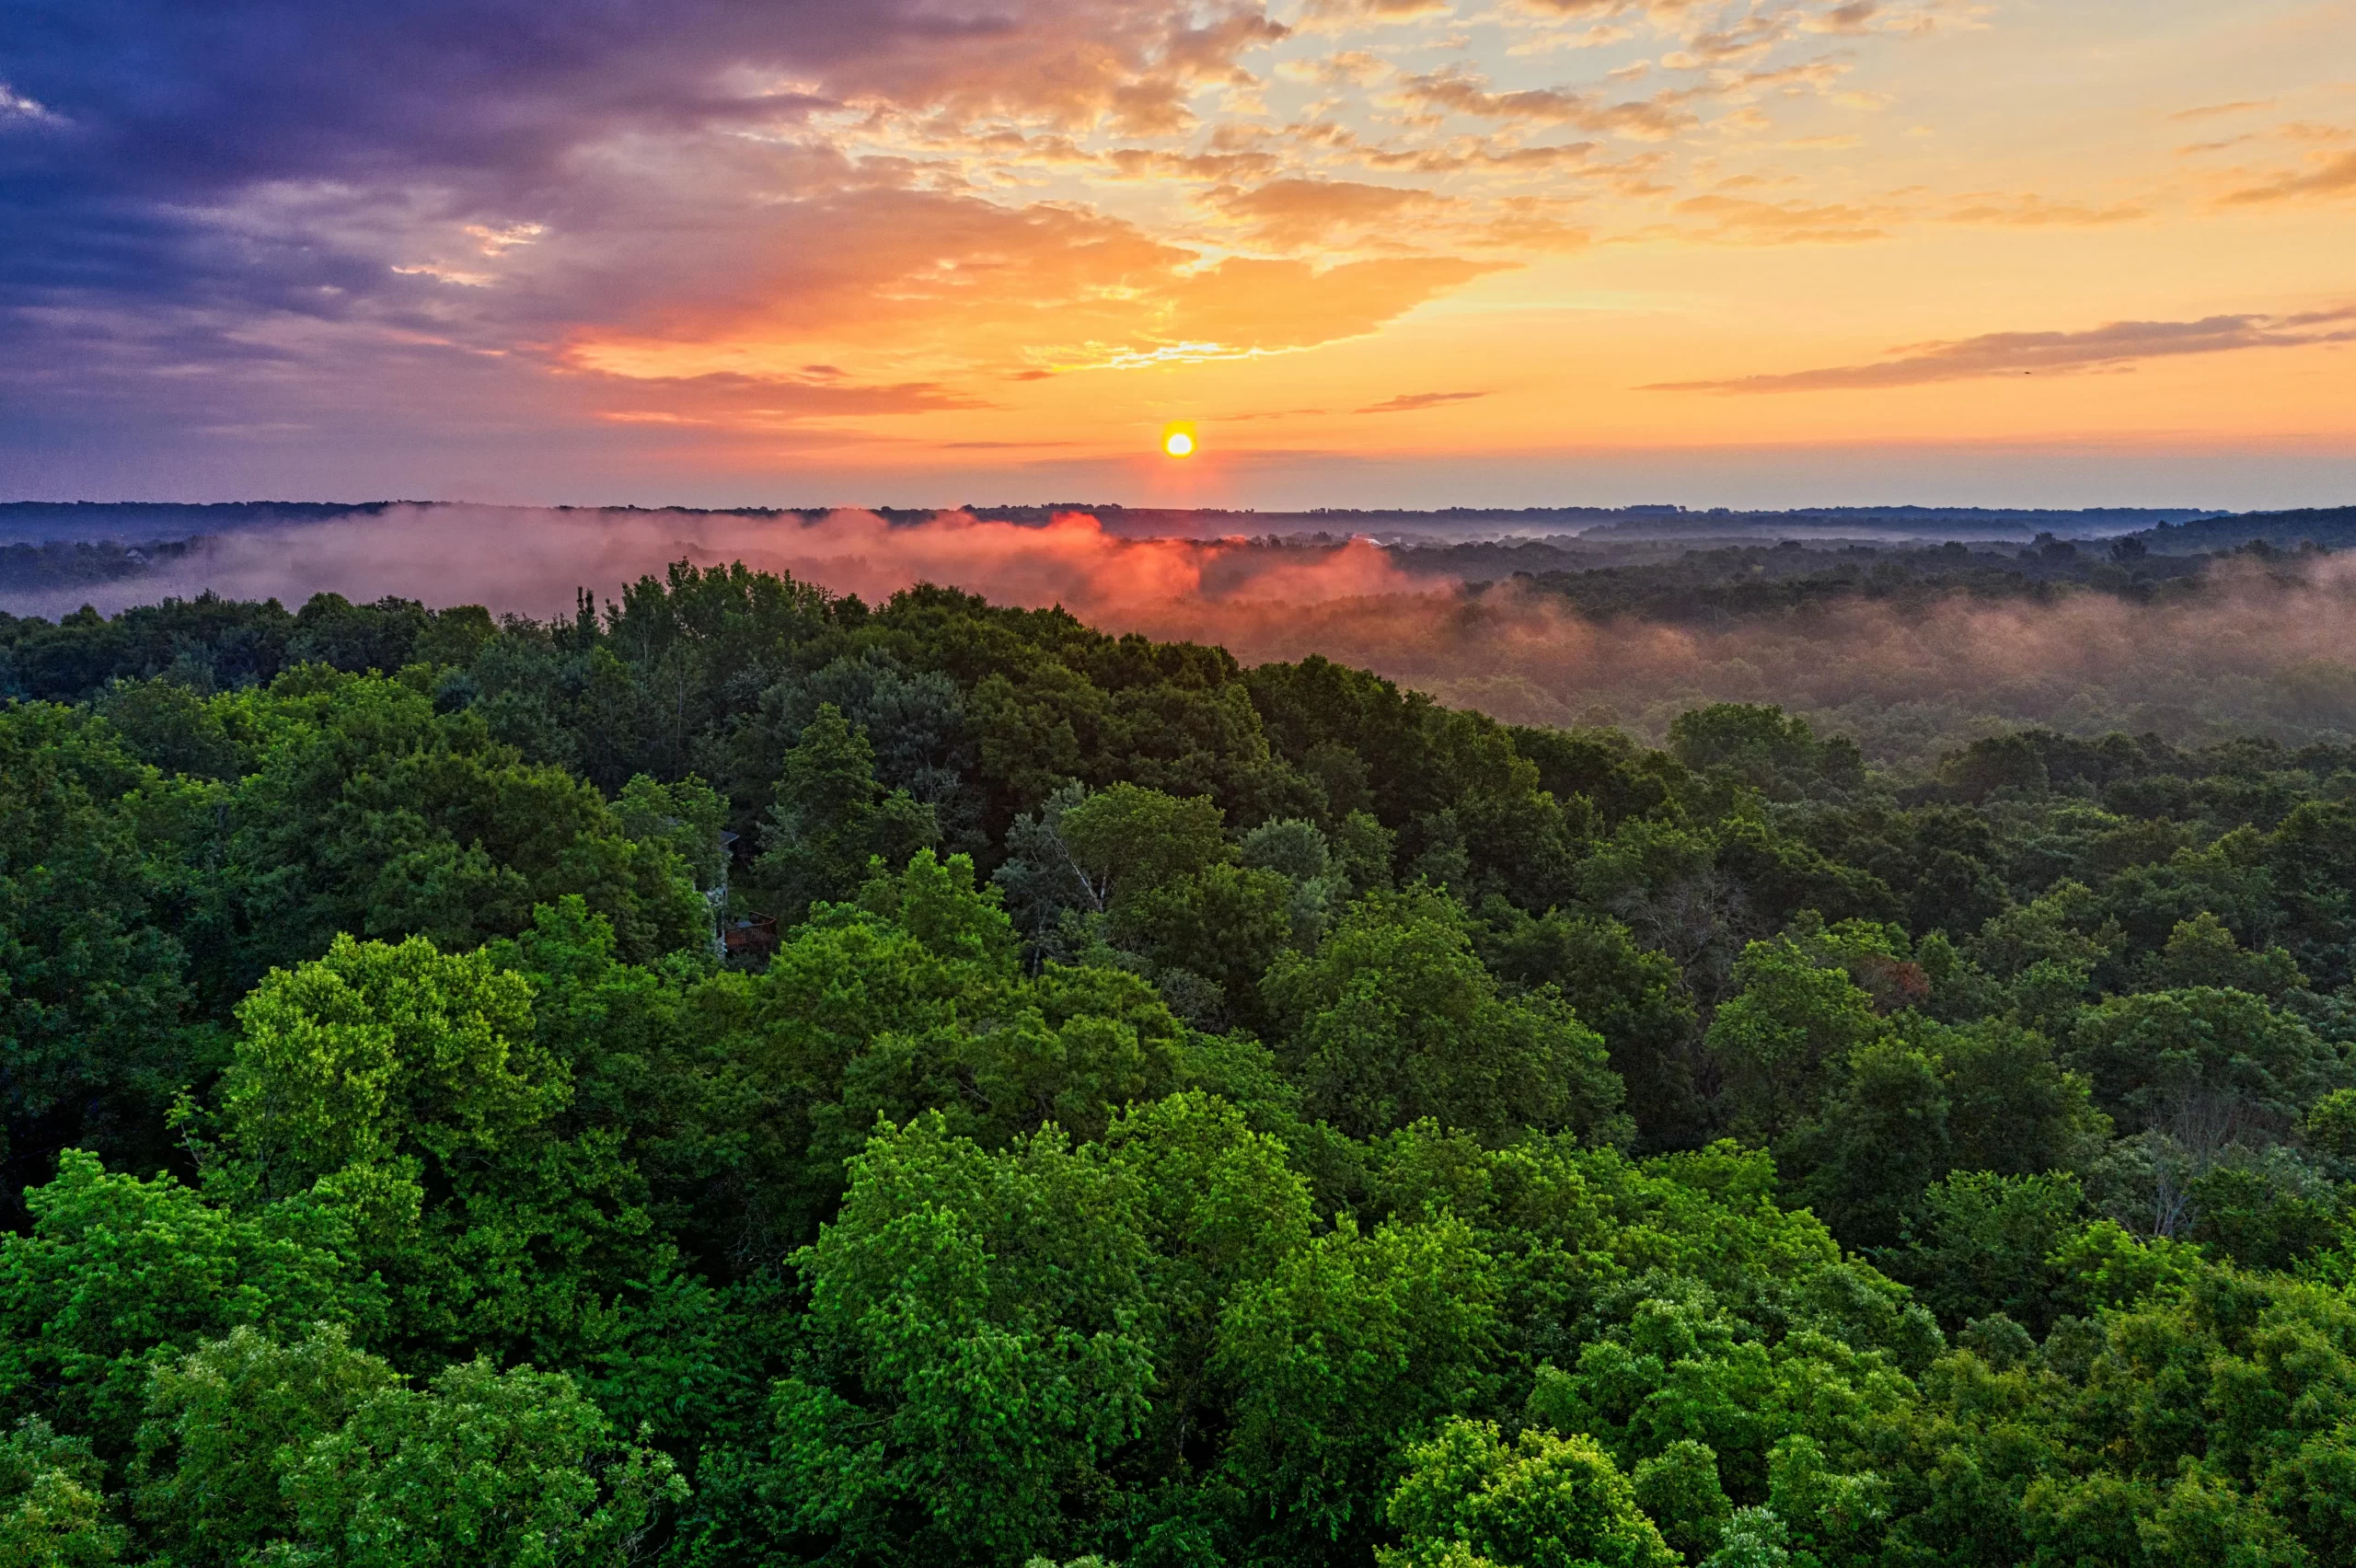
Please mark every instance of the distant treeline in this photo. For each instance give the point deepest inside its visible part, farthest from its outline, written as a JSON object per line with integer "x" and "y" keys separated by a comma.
{"x": 28, "y": 569}
{"x": 1705, "y": 586}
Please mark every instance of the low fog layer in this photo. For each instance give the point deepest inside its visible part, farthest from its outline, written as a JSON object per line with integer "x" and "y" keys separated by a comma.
{"x": 531, "y": 561}
{"x": 2264, "y": 649}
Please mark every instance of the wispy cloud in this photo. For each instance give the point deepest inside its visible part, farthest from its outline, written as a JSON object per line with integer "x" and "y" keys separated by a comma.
{"x": 1743, "y": 221}
{"x": 1453, "y": 90}
{"x": 2332, "y": 176}
{"x": 1408, "y": 402}
{"x": 2212, "y": 110}
{"x": 2049, "y": 353}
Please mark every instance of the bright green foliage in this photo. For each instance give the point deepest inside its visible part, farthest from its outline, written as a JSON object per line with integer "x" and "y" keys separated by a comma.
{"x": 1355, "y": 1345}
{"x": 53, "y": 1512}
{"x": 1393, "y": 1019}
{"x": 1130, "y": 840}
{"x": 1833, "y": 1514}
{"x": 987, "y": 1347}
{"x": 507, "y": 1469}
{"x": 1220, "y": 1210}
{"x": 1690, "y": 1370}
{"x": 937, "y": 904}
{"x": 225, "y": 1426}
{"x": 1187, "y": 1116}
{"x": 408, "y": 1092}
{"x": 383, "y": 1055}
{"x": 118, "y": 1276}
{"x": 1542, "y": 1502}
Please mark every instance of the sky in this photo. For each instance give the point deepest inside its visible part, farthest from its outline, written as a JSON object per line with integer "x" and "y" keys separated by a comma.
{"x": 1373, "y": 252}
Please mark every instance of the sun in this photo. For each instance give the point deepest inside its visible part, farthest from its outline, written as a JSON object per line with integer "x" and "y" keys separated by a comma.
{"x": 1178, "y": 441}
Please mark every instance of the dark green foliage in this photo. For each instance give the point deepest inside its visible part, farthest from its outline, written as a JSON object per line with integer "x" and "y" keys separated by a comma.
{"x": 832, "y": 817}
{"x": 1634, "y": 997}
{"x": 1981, "y": 1243}
{"x": 86, "y": 901}
{"x": 1110, "y": 1106}
{"x": 1393, "y": 1019}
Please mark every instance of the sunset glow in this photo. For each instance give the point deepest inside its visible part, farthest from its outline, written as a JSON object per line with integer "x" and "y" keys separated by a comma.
{"x": 1178, "y": 443}
{"x": 1410, "y": 252}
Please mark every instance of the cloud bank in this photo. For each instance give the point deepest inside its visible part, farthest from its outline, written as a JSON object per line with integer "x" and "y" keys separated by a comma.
{"x": 532, "y": 560}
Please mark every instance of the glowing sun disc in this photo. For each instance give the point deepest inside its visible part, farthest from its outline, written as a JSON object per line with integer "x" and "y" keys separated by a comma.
{"x": 1178, "y": 442}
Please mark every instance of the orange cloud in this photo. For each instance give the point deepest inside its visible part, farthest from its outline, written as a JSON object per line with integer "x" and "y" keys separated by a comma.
{"x": 2333, "y": 177}
{"x": 1294, "y": 213}
{"x": 1454, "y": 90}
{"x": 1408, "y": 402}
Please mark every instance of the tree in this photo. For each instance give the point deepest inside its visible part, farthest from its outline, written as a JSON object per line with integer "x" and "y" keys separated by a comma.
{"x": 2212, "y": 1066}
{"x": 1677, "y": 1487}
{"x": 509, "y": 1469}
{"x": 2012, "y": 1108}
{"x": 1540, "y": 1502}
{"x": 1395, "y": 1019}
{"x": 1131, "y": 840}
{"x": 1354, "y": 1344}
{"x": 383, "y": 1055}
{"x": 227, "y": 1426}
{"x": 118, "y": 1276}
{"x": 1981, "y": 1243}
{"x": 2202, "y": 953}
{"x": 1634, "y": 998}
{"x": 1225, "y": 924}
{"x": 831, "y": 817}
{"x": 84, "y": 894}
{"x": 978, "y": 1323}
{"x": 52, "y": 1511}
{"x": 408, "y": 1092}
{"x": 1792, "y": 1023}
{"x": 1221, "y": 1209}
{"x": 1775, "y": 754}
{"x": 1883, "y": 1138}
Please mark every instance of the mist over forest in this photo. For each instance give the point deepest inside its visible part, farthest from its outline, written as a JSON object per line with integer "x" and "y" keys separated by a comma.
{"x": 1911, "y": 630}
{"x": 838, "y": 1039}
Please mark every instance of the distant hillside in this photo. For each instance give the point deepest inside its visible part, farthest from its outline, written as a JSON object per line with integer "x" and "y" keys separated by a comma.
{"x": 140, "y": 522}
{"x": 2333, "y": 528}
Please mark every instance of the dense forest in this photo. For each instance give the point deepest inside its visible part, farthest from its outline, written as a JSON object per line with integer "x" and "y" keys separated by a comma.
{"x": 743, "y": 1076}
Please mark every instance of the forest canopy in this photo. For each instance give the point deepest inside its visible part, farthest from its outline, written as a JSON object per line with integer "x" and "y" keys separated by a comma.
{"x": 743, "y": 1076}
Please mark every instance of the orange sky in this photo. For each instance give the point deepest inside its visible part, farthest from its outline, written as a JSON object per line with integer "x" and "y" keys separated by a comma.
{"x": 1503, "y": 251}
